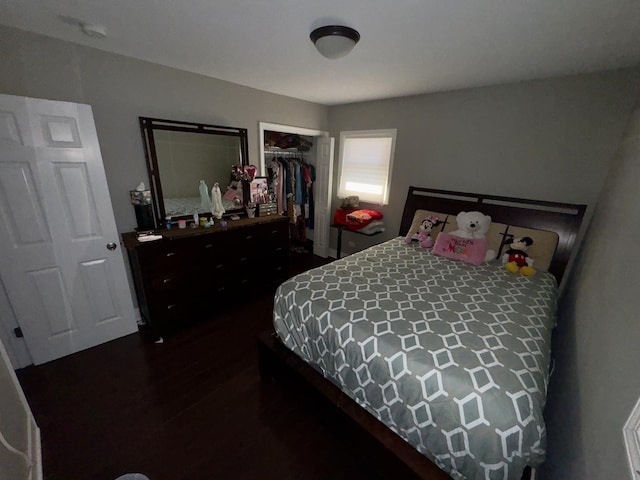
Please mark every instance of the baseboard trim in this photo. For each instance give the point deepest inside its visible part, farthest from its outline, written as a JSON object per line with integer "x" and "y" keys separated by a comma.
{"x": 138, "y": 316}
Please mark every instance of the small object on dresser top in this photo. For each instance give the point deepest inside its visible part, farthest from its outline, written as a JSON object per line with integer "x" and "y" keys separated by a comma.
{"x": 234, "y": 217}
{"x": 149, "y": 237}
{"x": 264, "y": 209}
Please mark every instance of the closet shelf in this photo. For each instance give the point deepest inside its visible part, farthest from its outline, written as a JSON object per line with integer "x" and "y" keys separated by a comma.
{"x": 280, "y": 151}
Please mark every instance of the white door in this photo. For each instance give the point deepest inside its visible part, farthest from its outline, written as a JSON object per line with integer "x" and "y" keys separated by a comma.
{"x": 60, "y": 257}
{"x": 20, "y": 456}
{"x": 322, "y": 194}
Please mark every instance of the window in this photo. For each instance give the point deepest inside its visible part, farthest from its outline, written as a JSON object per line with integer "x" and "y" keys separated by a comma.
{"x": 366, "y": 158}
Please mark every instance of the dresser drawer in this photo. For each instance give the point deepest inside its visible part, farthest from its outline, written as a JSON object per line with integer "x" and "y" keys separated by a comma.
{"x": 167, "y": 280}
{"x": 165, "y": 256}
{"x": 208, "y": 279}
{"x": 210, "y": 247}
{"x": 274, "y": 233}
{"x": 170, "y": 309}
{"x": 245, "y": 239}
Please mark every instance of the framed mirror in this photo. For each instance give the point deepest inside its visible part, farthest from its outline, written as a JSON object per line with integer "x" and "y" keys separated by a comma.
{"x": 182, "y": 157}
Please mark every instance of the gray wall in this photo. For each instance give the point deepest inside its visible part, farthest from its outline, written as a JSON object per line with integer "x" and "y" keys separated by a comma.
{"x": 548, "y": 139}
{"x": 120, "y": 89}
{"x": 552, "y": 139}
{"x": 596, "y": 382}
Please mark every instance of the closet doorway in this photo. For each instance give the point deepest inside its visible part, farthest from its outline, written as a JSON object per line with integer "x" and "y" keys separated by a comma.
{"x": 318, "y": 156}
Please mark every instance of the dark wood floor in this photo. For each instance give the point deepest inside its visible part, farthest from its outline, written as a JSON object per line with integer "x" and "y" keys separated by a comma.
{"x": 193, "y": 408}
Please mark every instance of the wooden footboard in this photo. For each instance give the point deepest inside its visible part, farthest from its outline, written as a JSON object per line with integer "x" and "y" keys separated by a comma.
{"x": 274, "y": 357}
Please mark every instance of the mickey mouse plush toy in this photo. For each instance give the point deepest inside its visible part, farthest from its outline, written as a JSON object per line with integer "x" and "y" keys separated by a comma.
{"x": 516, "y": 259}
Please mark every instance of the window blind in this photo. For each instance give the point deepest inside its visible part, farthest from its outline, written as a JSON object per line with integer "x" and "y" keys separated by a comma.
{"x": 365, "y": 167}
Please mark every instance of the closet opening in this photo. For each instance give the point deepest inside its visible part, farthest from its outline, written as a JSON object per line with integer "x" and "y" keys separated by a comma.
{"x": 298, "y": 165}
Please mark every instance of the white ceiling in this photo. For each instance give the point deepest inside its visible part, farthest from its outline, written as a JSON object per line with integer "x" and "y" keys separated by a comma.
{"x": 407, "y": 46}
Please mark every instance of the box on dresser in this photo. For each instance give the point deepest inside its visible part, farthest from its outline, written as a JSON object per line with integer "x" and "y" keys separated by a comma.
{"x": 265, "y": 209}
{"x": 191, "y": 273}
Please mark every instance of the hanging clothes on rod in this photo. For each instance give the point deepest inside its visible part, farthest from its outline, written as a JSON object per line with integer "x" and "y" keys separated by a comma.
{"x": 291, "y": 179}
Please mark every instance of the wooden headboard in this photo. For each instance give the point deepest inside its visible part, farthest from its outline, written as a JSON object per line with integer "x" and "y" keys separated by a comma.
{"x": 563, "y": 218}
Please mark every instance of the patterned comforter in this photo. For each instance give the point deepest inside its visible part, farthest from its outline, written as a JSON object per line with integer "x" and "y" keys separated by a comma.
{"x": 452, "y": 357}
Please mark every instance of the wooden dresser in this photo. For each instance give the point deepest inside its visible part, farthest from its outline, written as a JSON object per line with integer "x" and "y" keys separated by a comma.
{"x": 193, "y": 273}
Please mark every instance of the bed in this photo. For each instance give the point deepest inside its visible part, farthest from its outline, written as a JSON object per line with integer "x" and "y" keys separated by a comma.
{"x": 446, "y": 363}
{"x": 181, "y": 206}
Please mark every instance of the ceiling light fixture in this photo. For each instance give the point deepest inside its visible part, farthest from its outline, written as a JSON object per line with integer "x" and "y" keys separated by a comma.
{"x": 334, "y": 41}
{"x": 94, "y": 30}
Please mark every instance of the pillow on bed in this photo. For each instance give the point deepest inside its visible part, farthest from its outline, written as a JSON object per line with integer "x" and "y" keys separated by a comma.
{"x": 494, "y": 236}
{"x": 470, "y": 250}
{"x": 543, "y": 248}
{"x": 420, "y": 215}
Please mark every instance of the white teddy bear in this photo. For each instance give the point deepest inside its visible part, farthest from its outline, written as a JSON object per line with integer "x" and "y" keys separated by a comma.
{"x": 474, "y": 225}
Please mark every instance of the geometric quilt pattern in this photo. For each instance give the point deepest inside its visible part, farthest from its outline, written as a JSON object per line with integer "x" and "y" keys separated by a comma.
{"x": 452, "y": 357}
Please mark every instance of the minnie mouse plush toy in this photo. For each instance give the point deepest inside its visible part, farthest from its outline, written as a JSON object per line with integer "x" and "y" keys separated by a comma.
{"x": 423, "y": 235}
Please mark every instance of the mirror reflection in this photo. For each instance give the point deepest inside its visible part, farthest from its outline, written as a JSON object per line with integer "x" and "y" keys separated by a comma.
{"x": 209, "y": 159}
{"x": 186, "y": 161}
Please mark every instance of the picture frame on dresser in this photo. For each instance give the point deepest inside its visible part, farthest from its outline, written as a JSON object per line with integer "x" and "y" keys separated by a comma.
{"x": 259, "y": 190}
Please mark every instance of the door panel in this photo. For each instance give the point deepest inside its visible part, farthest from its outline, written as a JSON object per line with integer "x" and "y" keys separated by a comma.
{"x": 60, "y": 131}
{"x": 77, "y": 200}
{"x": 96, "y": 276}
{"x": 16, "y": 183}
{"x": 322, "y": 192}
{"x": 51, "y": 293}
{"x": 9, "y": 131}
{"x": 68, "y": 290}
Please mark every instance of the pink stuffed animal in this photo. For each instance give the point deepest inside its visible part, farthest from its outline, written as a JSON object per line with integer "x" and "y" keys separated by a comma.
{"x": 423, "y": 235}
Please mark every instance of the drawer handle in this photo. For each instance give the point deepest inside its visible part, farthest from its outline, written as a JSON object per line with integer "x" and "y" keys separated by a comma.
{"x": 244, "y": 281}
{"x": 209, "y": 245}
{"x": 171, "y": 254}
{"x": 166, "y": 280}
{"x": 220, "y": 289}
{"x": 171, "y": 307}
{"x": 248, "y": 237}
{"x": 220, "y": 265}
{"x": 278, "y": 249}
{"x": 274, "y": 232}
{"x": 243, "y": 259}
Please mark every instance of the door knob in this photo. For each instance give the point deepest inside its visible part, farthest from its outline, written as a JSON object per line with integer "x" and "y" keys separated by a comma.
{"x": 111, "y": 246}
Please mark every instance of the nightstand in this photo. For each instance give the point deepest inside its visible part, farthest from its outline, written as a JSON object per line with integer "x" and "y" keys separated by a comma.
{"x": 343, "y": 227}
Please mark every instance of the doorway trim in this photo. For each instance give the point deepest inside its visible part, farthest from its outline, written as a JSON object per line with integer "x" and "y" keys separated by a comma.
{"x": 276, "y": 127}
